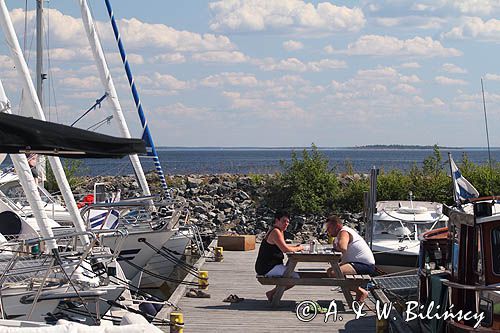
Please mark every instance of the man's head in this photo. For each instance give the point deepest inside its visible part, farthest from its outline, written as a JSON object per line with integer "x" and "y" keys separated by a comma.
{"x": 281, "y": 219}
{"x": 333, "y": 225}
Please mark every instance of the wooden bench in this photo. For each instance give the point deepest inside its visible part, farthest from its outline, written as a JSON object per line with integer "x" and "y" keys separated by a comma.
{"x": 348, "y": 281}
{"x": 314, "y": 277}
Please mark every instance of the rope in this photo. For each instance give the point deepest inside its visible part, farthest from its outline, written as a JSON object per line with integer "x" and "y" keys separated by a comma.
{"x": 145, "y": 294}
{"x": 170, "y": 257}
{"x": 194, "y": 284}
{"x": 93, "y": 107}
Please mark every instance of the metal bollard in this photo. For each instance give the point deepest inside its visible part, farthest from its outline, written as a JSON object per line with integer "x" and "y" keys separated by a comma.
{"x": 176, "y": 322}
{"x": 219, "y": 253}
{"x": 203, "y": 280}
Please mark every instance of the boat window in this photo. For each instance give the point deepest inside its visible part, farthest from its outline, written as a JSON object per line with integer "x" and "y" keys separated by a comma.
{"x": 395, "y": 228}
{"x": 495, "y": 249}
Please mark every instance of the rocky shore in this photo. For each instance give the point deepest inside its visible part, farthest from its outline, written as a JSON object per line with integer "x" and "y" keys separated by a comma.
{"x": 224, "y": 203}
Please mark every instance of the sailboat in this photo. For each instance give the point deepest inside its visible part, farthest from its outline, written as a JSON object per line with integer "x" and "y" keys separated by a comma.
{"x": 152, "y": 230}
{"x": 36, "y": 273}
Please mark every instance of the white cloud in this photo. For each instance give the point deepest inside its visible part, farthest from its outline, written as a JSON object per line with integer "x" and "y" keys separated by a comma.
{"x": 437, "y": 101}
{"x": 475, "y": 27}
{"x": 454, "y": 69}
{"x": 410, "y": 65}
{"x": 6, "y": 62}
{"x": 170, "y": 58}
{"x": 492, "y": 77}
{"x": 446, "y": 81}
{"x": 295, "y": 65}
{"x": 468, "y": 7}
{"x": 231, "y": 79}
{"x": 329, "y": 49}
{"x": 66, "y": 30}
{"x": 292, "y": 45}
{"x": 181, "y": 110}
{"x": 221, "y": 56}
{"x": 278, "y": 109}
{"x": 114, "y": 58}
{"x": 284, "y": 15}
{"x": 406, "y": 89}
{"x": 161, "y": 84}
{"x": 375, "y": 45}
{"x": 88, "y": 82}
{"x": 413, "y": 22}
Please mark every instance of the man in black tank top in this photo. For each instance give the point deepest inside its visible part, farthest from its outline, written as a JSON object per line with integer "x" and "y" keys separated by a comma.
{"x": 270, "y": 259}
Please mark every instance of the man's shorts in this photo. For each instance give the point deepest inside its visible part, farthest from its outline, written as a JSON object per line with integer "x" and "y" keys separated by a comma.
{"x": 361, "y": 268}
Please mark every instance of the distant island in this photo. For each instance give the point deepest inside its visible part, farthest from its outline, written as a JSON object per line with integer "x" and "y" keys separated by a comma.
{"x": 402, "y": 147}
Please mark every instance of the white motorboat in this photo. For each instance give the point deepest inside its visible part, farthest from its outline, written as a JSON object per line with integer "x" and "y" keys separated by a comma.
{"x": 397, "y": 228}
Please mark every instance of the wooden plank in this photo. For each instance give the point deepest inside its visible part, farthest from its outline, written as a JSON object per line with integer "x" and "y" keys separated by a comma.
{"x": 236, "y": 275}
{"x": 332, "y": 282}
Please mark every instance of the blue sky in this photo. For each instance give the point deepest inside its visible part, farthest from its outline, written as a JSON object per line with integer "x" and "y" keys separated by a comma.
{"x": 281, "y": 72}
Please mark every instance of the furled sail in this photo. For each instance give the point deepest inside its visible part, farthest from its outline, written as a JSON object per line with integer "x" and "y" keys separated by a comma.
{"x": 24, "y": 135}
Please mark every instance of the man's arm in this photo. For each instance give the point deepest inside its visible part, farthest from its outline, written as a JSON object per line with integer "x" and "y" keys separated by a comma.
{"x": 343, "y": 241}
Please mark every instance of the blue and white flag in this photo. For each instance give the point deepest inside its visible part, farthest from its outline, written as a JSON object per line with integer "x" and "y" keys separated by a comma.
{"x": 463, "y": 189}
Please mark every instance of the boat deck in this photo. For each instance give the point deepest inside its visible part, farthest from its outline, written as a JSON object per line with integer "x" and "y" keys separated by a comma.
{"x": 236, "y": 275}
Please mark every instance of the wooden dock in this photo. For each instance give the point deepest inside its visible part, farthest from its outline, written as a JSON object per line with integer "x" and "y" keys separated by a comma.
{"x": 236, "y": 275}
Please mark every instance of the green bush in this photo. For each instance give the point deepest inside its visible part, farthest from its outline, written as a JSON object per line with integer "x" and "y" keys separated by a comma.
{"x": 307, "y": 185}
{"x": 72, "y": 168}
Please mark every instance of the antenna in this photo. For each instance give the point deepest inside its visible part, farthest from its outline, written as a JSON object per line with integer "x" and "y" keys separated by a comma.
{"x": 487, "y": 135}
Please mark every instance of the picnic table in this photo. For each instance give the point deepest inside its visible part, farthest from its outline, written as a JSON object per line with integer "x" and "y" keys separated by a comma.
{"x": 314, "y": 278}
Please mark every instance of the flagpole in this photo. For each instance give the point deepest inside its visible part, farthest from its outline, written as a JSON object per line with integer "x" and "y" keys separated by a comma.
{"x": 453, "y": 181}
{"x": 487, "y": 136}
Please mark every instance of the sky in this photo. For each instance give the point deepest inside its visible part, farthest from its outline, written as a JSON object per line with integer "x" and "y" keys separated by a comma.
{"x": 277, "y": 73}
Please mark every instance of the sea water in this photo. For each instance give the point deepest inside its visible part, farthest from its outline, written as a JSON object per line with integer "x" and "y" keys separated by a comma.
{"x": 268, "y": 160}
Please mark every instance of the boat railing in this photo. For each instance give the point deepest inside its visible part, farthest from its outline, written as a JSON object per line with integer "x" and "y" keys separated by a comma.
{"x": 477, "y": 289}
{"x": 135, "y": 212}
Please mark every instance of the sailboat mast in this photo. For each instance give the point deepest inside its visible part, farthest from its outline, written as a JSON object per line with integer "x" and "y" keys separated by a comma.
{"x": 30, "y": 93}
{"x": 109, "y": 85}
{"x": 39, "y": 50}
{"x": 146, "y": 134}
{"x": 40, "y": 163}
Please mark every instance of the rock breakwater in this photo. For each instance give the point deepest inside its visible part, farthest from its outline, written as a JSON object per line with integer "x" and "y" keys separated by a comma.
{"x": 225, "y": 203}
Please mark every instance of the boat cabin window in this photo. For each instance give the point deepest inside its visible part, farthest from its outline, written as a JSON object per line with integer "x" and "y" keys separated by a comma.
{"x": 398, "y": 228}
{"x": 393, "y": 228}
{"x": 495, "y": 249}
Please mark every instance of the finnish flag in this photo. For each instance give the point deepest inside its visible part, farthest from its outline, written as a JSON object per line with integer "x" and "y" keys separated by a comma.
{"x": 463, "y": 189}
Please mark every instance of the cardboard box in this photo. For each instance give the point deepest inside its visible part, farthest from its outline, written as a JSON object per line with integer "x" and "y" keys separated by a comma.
{"x": 237, "y": 242}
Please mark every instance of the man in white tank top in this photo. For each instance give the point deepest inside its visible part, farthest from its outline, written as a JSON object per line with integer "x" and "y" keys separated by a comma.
{"x": 357, "y": 258}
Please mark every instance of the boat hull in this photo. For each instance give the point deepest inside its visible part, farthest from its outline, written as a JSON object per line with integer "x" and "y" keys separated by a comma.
{"x": 160, "y": 265}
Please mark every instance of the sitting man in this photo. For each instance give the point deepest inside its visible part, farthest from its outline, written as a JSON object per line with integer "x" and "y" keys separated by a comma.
{"x": 357, "y": 258}
{"x": 270, "y": 259}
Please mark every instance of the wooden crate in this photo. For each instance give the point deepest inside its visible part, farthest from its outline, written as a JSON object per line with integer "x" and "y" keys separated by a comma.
{"x": 237, "y": 242}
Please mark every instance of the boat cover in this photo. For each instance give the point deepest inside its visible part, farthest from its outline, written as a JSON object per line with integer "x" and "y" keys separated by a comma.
{"x": 27, "y": 135}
